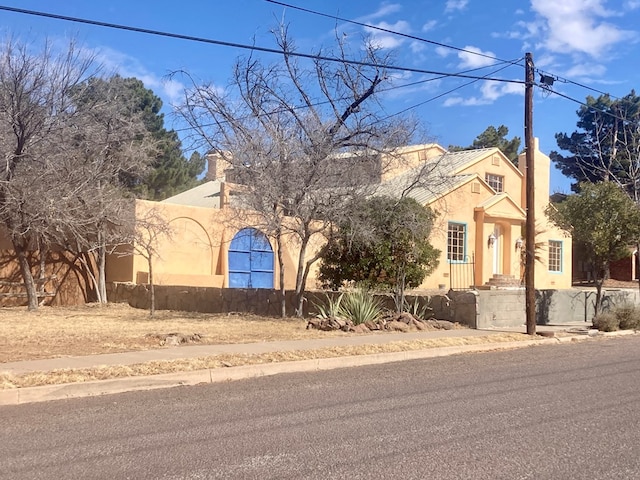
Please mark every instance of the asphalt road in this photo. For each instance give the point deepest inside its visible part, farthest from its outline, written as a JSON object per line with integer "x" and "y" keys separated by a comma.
{"x": 552, "y": 412}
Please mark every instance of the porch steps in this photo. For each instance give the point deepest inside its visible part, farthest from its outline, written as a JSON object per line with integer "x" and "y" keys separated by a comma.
{"x": 500, "y": 280}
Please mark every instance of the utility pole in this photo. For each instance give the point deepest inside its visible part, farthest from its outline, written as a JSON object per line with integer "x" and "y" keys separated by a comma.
{"x": 530, "y": 228}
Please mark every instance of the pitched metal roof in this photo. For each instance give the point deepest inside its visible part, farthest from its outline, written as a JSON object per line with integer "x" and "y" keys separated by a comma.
{"x": 205, "y": 195}
{"x": 433, "y": 179}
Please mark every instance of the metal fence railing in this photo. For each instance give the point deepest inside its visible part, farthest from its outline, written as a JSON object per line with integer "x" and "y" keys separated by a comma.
{"x": 462, "y": 274}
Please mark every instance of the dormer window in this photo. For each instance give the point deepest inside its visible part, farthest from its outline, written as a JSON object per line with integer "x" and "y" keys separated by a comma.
{"x": 495, "y": 181}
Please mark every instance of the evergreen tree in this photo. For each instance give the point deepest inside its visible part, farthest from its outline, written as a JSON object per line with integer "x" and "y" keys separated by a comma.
{"x": 606, "y": 146}
{"x": 170, "y": 172}
{"x": 603, "y": 221}
{"x": 494, "y": 137}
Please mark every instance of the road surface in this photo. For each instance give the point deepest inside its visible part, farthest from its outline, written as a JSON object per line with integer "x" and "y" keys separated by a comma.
{"x": 551, "y": 412}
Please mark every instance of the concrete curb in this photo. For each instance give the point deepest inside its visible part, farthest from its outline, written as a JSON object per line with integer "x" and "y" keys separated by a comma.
{"x": 47, "y": 393}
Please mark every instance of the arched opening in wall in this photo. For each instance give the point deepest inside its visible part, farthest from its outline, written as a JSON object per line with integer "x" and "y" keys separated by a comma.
{"x": 250, "y": 260}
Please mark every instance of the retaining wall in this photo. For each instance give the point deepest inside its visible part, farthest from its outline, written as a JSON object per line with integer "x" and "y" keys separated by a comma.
{"x": 477, "y": 309}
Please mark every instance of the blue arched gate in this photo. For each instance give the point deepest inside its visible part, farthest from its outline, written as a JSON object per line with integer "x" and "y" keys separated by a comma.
{"x": 250, "y": 260}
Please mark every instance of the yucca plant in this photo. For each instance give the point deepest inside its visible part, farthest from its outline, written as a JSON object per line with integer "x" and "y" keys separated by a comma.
{"x": 360, "y": 307}
{"x": 330, "y": 308}
{"x": 419, "y": 310}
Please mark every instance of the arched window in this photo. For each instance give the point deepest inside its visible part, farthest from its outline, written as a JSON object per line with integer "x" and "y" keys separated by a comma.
{"x": 250, "y": 260}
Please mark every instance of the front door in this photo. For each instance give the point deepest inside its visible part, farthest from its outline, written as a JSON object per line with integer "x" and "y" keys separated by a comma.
{"x": 497, "y": 250}
{"x": 250, "y": 260}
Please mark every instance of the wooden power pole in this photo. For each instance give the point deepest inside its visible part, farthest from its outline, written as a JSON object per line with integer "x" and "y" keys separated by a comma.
{"x": 530, "y": 228}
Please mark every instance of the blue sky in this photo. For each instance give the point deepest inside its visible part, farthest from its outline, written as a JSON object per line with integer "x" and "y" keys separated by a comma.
{"x": 582, "y": 43}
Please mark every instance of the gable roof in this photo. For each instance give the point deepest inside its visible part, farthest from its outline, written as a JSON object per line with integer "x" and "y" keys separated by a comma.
{"x": 502, "y": 205}
{"x": 440, "y": 175}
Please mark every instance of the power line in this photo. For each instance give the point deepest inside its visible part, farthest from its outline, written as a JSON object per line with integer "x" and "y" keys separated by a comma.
{"x": 243, "y": 46}
{"x": 579, "y": 102}
{"x": 382, "y": 90}
{"x": 306, "y": 55}
{"x": 443, "y": 94}
{"x": 578, "y": 84}
{"x": 386, "y": 30}
{"x": 414, "y": 37}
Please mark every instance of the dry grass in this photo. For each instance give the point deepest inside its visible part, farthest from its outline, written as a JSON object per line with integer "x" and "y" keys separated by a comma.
{"x": 8, "y": 381}
{"x": 93, "y": 329}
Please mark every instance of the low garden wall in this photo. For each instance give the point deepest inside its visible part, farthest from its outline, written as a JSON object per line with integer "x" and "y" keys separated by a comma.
{"x": 476, "y": 309}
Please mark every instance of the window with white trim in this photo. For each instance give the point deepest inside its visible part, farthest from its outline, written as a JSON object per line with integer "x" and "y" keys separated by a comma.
{"x": 495, "y": 181}
{"x": 555, "y": 256}
{"x": 456, "y": 240}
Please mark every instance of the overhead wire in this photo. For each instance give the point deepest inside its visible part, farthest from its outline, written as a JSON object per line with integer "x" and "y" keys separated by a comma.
{"x": 311, "y": 56}
{"x": 382, "y": 90}
{"x": 386, "y": 30}
{"x": 442, "y": 94}
{"x": 240, "y": 45}
{"x": 444, "y": 45}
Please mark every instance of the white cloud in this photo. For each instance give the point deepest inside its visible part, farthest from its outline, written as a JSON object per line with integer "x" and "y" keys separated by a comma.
{"x": 473, "y": 57}
{"x": 443, "y": 51}
{"x": 388, "y": 40}
{"x": 430, "y": 25}
{"x": 417, "y": 47}
{"x": 453, "y": 5}
{"x": 586, "y": 71}
{"x": 115, "y": 62}
{"x": 384, "y": 10}
{"x": 490, "y": 91}
{"x": 570, "y": 26}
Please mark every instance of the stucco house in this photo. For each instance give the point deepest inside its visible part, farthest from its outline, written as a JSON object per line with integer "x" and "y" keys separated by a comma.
{"x": 478, "y": 195}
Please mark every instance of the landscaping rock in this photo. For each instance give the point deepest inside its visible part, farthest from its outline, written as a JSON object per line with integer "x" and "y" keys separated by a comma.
{"x": 361, "y": 328}
{"x": 373, "y": 326}
{"x": 174, "y": 339}
{"x": 396, "y": 326}
{"x": 405, "y": 317}
{"x": 445, "y": 324}
{"x": 418, "y": 324}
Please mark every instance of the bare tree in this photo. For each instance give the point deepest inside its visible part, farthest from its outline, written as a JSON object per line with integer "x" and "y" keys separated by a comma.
{"x": 151, "y": 226}
{"x": 66, "y": 145}
{"x": 303, "y": 138}
{"x": 34, "y": 106}
{"x": 107, "y": 145}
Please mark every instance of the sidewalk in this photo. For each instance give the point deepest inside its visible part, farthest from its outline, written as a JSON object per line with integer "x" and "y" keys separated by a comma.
{"x": 54, "y": 392}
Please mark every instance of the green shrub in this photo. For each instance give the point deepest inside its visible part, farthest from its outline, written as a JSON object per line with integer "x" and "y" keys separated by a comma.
{"x": 360, "y": 306}
{"x": 606, "y": 322}
{"x": 628, "y": 317}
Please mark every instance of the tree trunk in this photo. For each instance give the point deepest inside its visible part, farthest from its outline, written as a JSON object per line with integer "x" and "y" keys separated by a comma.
{"x": 42, "y": 274}
{"x": 636, "y": 264}
{"x": 27, "y": 276}
{"x": 102, "y": 278}
{"x": 303, "y": 275}
{"x": 598, "y": 279}
{"x": 281, "y": 286}
{"x": 299, "y": 295}
{"x": 598, "y": 305}
{"x": 152, "y": 290}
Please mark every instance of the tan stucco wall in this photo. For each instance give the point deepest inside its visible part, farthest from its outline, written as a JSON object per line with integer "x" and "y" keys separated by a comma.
{"x": 545, "y": 230}
{"x": 196, "y": 254}
{"x": 195, "y": 251}
{"x": 507, "y": 215}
